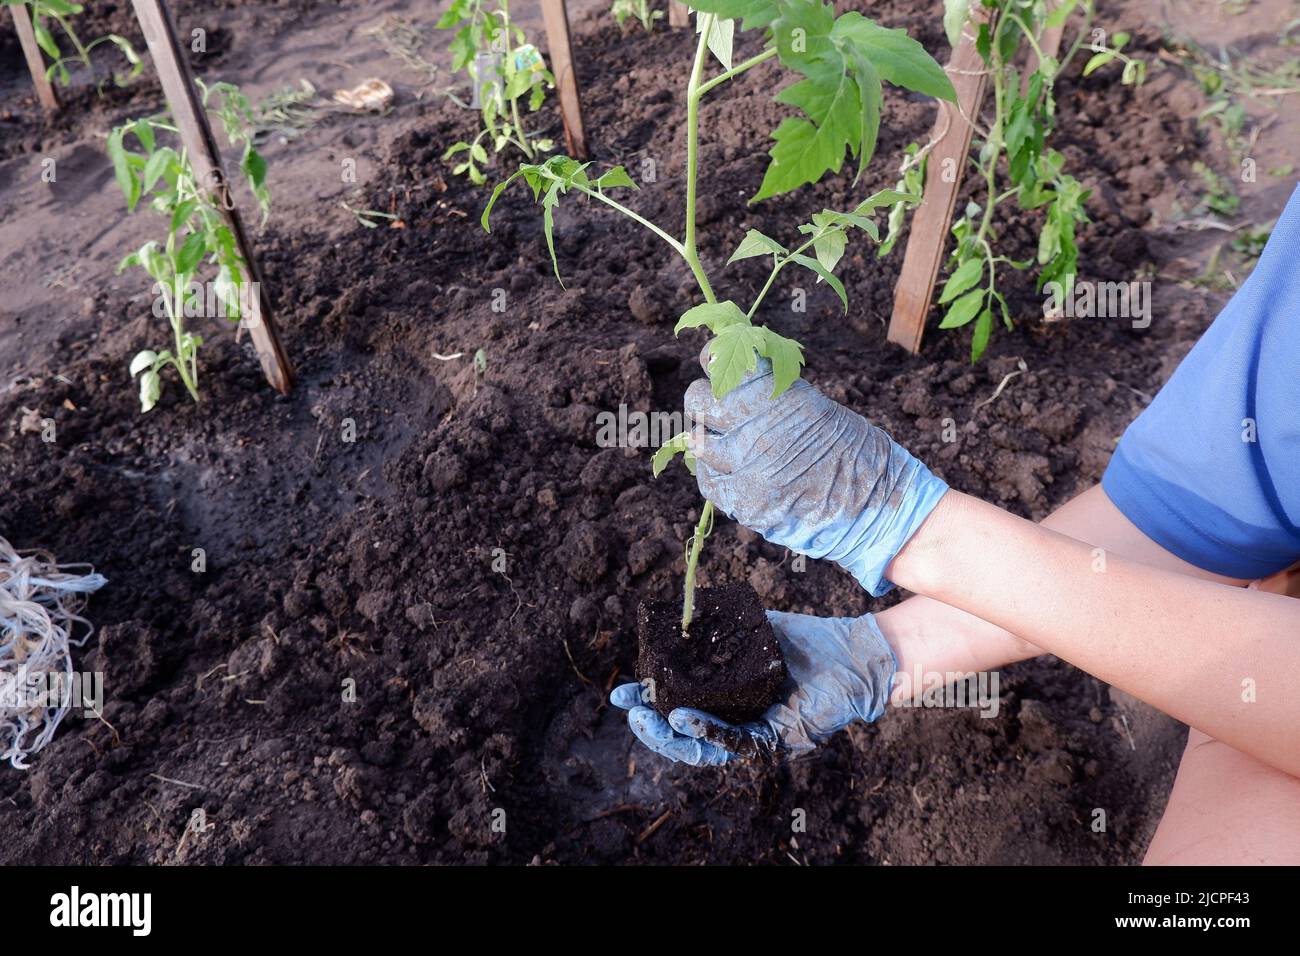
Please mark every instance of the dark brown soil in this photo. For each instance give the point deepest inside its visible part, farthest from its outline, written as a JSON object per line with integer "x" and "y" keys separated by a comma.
{"x": 376, "y": 565}
{"x": 729, "y": 665}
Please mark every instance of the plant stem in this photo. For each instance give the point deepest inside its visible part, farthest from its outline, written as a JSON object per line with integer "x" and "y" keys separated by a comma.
{"x": 996, "y": 143}
{"x": 702, "y": 529}
{"x": 690, "y": 252}
{"x": 522, "y": 141}
{"x": 737, "y": 70}
{"x": 635, "y": 217}
{"x": 176, "y": 322}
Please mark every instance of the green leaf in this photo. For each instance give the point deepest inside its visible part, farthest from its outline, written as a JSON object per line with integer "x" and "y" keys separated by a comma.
{"x": 143, "y": 131}
{"x": 1097, "y": 61}
{"x": 713, "y": 315}
{"x": 549, "y": 202}
{"x": 842, "y": 62}
{"x": 226, "y": 286}
{"x": 733, "y": 353}
{"x": 617, "y": 176}
{"x": 126, "y": 180}
{"x": 721, "y": 32}
{"x": 955, "y": 14}
{"x": 191, "y": 253}
{"x": 677, "y": 445}
{"x": 826, "y": 274}
{"x": 756, "y": 244}
{"x": 1062, "y": 13}
{"x": 963, "y": 310}
{"x": 501, "y": 187}
{"x": 253, "y": 167}
{"x": 181, "y": 214}
{"x": 128, "y": 51}
{"x": 980, "y": 339}
{"x": 786, "y": 356}
{"x": 45, "y": 40}
{"x": 157, "y": 165}
{"x": 967, "y": 274}
{"x": 756, "y": 13}
{"x": 896, "y": 56}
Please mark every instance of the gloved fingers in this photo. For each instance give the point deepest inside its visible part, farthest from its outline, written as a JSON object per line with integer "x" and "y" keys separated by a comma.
{"x": 652, "y": 730}
{"x": 627, "y": 696}
{"x": 744, "y": 741}
{"x": 753, "y": 396}
{"x": 716, "y": 487}
{"x": 722, "y": 454}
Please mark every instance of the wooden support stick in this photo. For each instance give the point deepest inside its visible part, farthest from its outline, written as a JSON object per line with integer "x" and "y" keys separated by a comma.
{"x": 201, "y": 146}
{"x": 679, "y": 14}
{"x": 944, "y": 169}
{"x": 557, "y": 39}
{"x": 35, "y": 62}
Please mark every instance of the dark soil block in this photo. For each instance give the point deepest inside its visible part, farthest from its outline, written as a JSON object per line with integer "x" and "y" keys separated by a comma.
{"x": 731, "y": 663}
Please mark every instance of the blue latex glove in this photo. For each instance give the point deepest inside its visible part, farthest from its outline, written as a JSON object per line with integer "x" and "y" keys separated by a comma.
{"x": 809, "y": 474}
{"x": 841, "y": 669}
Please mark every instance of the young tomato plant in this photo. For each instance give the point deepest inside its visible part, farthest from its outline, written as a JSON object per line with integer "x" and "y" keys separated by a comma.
{"x": 1014, "y": 161}
{"x": 197, "y": 233}
{"x": 639, "y": 10}
{"x": 505, "y": 70}
{"x": 44, "y": 12}
{"x": 840, "y": 64}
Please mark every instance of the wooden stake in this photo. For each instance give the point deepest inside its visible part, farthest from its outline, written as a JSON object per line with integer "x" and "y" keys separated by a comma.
{"x": 557, "y": 39}
{"x": 679, "y": 14}
{"x": 201, "y": 146}
{"x": 35, "y": 62}
{"x": 944, "y": 169}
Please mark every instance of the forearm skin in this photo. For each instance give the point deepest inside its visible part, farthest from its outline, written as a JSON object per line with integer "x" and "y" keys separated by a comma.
{"x": 1192, "y": 647}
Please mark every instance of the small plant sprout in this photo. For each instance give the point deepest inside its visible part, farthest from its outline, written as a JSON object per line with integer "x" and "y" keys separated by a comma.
{"x": 1014, "y": 161}
{"x": 840, "y": 64}
{"x": 505, "y": 70}
{"x": 639, "y": 10}
{"x": 196, "y": 232}
{"x": 44, "y": 12}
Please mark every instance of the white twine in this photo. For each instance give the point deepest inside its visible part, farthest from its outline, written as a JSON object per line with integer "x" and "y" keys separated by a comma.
{"x": 39, "y": 601}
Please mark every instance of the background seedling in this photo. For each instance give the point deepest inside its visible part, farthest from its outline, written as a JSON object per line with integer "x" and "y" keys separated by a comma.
{"x": 196, "y": 232}
{"x": 639, "y": 10}
{"x": 1014, "y": 160}
{"x": 505, "y": 70}
{"x": 841, "y": 63}
{"x": 45, "y": 12}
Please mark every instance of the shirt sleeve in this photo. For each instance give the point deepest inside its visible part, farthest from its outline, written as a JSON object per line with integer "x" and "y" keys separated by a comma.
{"x": 1211, "y": 469}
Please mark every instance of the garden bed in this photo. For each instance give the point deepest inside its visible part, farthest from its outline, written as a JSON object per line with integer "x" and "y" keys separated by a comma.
{"x": 378, "y": 561}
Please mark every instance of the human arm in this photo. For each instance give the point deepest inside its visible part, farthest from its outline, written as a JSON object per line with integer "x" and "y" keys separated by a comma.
{"x": 930, "y": 636}
{"x": 1184, "y": 645}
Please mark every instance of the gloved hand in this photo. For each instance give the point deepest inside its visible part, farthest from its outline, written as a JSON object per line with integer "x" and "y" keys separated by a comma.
{"x": 809, "y": 474}
{"x": 841, "y": 669}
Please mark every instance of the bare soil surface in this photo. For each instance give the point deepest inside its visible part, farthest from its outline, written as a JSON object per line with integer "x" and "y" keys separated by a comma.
{"x": 399, "y": 637}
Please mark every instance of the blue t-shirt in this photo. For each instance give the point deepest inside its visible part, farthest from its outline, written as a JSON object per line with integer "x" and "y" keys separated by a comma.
{"x": 1211, "y": 469}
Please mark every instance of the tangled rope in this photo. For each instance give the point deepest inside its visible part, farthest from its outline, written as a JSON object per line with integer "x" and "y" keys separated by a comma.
{"x": 39, "y": 601}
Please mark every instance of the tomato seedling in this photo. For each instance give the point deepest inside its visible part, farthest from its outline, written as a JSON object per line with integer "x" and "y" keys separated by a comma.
{"x": 1013, "y": 159}
{"x": 196, "y": 231}
{"x": 639, "y": 10}
{"x": 505, "y": 70}
{"x": 59, "y": 11}
{"x": 841, "y": 63}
